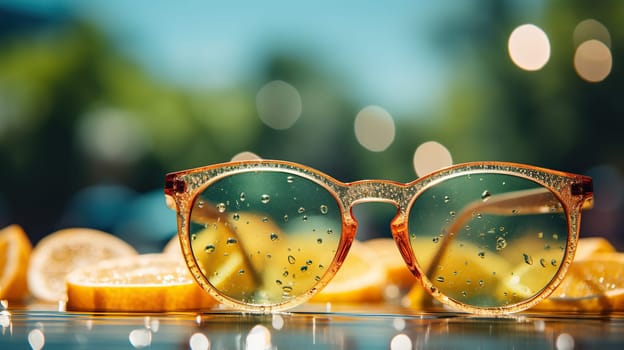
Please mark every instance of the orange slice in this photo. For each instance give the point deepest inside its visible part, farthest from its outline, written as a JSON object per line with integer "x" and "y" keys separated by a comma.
{"x": 595, "y": 283}
{"x": 173, "y": 248}
{"x": 463, "y": 271}
{"x": 142, "y": 283}
{"x": 591, "y": 245}
{"x": 361, "y": 278}
{"x": 390, "y": 257}
{"x": 60, "y": 252}
{"x": 15, "y": 249}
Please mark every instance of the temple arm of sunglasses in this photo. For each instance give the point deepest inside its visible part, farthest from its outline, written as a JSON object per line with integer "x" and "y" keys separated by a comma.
{"x": 523, "y": 202}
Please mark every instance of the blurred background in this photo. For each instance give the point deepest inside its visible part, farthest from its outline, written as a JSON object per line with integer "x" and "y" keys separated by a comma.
{"x": 98, "y": 100}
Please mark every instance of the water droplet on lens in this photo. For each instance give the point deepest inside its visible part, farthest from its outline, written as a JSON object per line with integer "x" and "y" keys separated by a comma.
{"x": 274, "y": 236}
{"x": 323, "y": 209}
{"x": 231, "y": 240}
{"x": 540, "y": 235}
{"x": 555, "y": 236}
{"x": 482, "y": 255}
{"x": 290, "y": 179}
{"x": 241, "y": 272}
{"x": 330, "y": 231}
{"x": 553, "y": 262}
{"x": 301, "y": 210}
{"x": 481, "y": 283}
{"x": 265, "y": 198}
{"x": 304, "y": 218}
{"x": 200, "y": 204}
{"x": 447, "y": 199}
{"x": 193, "y": 237}
{"x": 210, "y": 248}
{"x": 440, "y": 279}
{"x": 242, "y": 196}
{"x": 543, "y": 262}
{"x": 303, "y": 268}
{"x": 485, "y": 195}
{"x": 452, "y": 213}
{"x": 309, "y": 262}
{"x": 265, "y": 219}
{"x": 285, "y": 217}
{"x": 291, "y": 259}
{"x": 436, "y": 239}
{"x": 319, "y": 240}
{"x": 278, "y": 282}
{"x": 285, "y": 274}
{"x": 221, "y": 207}
{"x": 501, "y": 243}
{"x": 235, "y": 216}
{"x": 287, "y": 290}
{"x": 527, "y": 259}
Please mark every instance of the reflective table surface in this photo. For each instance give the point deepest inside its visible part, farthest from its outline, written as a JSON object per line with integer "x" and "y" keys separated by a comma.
{"x": 326, "y": 326}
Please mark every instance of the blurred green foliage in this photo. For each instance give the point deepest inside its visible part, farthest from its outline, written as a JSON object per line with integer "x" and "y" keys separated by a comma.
{"x": 54, "y": 78}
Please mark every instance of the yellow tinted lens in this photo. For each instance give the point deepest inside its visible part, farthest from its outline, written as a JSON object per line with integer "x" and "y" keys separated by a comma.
{"x": 264, "y": 237}
{"x": 488, "y": 240}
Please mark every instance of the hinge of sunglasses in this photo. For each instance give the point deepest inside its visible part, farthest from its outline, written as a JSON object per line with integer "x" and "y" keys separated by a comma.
{"x": 173, "y": 185}
{"x": 584, "y": 188}
{"x": 580, "y": 188}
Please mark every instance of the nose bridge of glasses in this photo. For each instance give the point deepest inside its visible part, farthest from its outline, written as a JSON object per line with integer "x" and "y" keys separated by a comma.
{"x": 375, "y": 191}
{"x": 380, "y": 191}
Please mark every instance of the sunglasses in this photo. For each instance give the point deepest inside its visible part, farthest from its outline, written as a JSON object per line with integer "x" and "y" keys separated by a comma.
{"x": 485, "y": 238}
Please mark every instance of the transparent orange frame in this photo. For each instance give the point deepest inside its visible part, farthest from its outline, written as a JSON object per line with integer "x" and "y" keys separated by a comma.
{"x": 573, "y": 191}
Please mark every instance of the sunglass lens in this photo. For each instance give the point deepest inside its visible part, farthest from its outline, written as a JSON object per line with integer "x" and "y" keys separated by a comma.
{"x": 488, "y": 240}
{"x": 264, "y": 237}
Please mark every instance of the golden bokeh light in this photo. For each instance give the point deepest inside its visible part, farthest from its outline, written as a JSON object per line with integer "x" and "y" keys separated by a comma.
{"x": 431, "y": 156}
{"x": 246, "y": 155}
{"x": 374, "y": 128}
{"x": 529, "y": 47}
{"x": 591, "y": 29}
{"x": 593, "y": 61}
{"x": 279, "y": 104}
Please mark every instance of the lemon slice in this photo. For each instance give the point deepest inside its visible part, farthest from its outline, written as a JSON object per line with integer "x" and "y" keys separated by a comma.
{"x": 142, "y": 283}
{"x": 62, "y": 251}
{"x": 360, "y": 279}
{"x": 15, "y": 249}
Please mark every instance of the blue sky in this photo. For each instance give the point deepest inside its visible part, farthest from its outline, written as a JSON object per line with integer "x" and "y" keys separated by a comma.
{"x": 382, "y": 49}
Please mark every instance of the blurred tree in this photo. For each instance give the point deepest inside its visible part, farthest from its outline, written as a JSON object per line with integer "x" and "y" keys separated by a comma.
{"x": 550, "y": 117}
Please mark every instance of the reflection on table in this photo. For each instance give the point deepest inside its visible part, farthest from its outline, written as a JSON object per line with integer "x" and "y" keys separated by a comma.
{"x": 325, "y": 326}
